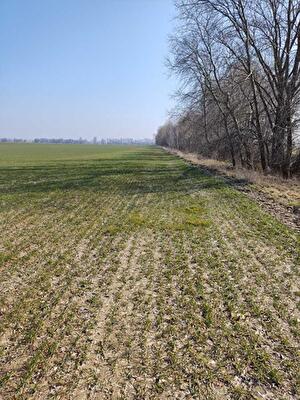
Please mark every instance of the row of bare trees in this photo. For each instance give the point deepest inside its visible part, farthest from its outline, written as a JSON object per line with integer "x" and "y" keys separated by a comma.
{"x": 239, "y": 66}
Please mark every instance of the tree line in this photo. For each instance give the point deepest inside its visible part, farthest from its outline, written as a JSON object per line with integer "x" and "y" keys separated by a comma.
{"x": 238, "y": 62}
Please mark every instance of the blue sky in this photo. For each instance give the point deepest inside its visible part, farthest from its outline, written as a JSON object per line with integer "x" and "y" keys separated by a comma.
{"x": 72, "y": 68}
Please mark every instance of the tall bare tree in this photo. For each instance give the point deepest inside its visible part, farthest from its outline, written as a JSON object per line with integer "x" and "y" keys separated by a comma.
{"x": 242, "y": 58}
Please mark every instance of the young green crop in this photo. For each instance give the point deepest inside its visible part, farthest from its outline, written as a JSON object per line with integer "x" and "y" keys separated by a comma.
{"x": 126, "y": 273}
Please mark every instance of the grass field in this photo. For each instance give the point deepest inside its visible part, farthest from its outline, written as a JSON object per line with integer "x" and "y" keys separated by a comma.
{"x": 128, "y": 274}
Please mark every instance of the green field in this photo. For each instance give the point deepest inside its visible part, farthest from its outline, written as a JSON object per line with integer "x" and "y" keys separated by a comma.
{"x": 128, "y": 274}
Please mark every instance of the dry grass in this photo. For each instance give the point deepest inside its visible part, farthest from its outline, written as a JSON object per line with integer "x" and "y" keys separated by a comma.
{"x": 128, "y": 274}
{"x": 286, "y": 192}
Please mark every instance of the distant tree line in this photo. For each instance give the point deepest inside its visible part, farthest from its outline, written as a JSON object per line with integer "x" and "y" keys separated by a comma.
{"x": 60, "y": 141}
{"x": 12, "y": 140}
{"x": 125, "y": 141}
{"x": 239, "y": 66}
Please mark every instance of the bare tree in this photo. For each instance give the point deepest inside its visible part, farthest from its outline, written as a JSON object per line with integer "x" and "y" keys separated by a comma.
{"x": 241, "y": 58}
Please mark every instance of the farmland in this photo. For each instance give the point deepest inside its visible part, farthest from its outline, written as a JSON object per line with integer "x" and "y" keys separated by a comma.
{"x": 126, "y": 273}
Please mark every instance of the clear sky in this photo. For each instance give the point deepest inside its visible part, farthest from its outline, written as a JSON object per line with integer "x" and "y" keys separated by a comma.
{"x": 72, "y": 68}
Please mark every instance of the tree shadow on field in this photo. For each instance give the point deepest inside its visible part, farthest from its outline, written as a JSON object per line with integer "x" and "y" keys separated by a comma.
{"x": 125, "y": 175}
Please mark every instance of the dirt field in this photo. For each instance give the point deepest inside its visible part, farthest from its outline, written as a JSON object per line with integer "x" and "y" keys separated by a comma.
{"x": 128, "y": 274}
